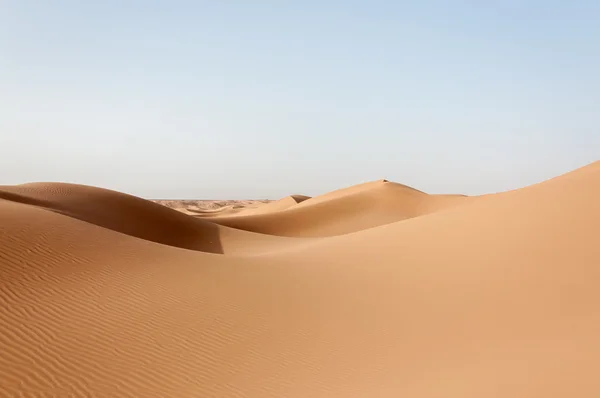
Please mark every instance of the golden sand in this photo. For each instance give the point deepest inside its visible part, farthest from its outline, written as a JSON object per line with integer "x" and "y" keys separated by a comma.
{"x": 378, "y": 290}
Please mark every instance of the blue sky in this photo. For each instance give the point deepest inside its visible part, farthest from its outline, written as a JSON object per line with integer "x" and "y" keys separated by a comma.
{"x": 248, "y": 99}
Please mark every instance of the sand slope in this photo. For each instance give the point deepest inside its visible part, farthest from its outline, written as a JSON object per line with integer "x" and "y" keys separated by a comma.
{"x": 270, "y": 207}
{"x": 137, "y": 217}
{"x": 494, "y": 296}
{"x": 344, "y": 211}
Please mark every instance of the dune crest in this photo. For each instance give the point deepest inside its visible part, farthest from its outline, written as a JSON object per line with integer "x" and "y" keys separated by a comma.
{"x": 375, "y": 290}
{"x": 272, "y": 207}
{"x": 344, "y": 211}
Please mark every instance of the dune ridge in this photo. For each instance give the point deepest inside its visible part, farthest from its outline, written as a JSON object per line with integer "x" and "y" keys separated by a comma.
{"x": 131, "y": 215}
{"x": 278, "y": 205}
{"x": 385, "y": 291}
{"x": 348, "y": 210}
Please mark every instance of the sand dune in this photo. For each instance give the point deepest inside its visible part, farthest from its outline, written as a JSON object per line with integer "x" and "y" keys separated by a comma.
{"x": 137, "y": 217}
{"x": 273, "y": 207}
{"x": 210, "y": 208}
{"x": 344, "y": 211}
{"x": 378, "y": 290}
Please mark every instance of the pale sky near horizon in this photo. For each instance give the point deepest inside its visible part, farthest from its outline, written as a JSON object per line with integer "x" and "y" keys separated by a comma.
{"x": 262, "y": 99}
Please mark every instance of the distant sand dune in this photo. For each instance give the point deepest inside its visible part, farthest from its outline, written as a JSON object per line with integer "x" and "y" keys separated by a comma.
{"x": 350, "y": 210}
{"x": 210, "y": 208}
{"x": 379, "y": 290}
{"x": 273, "y": 207}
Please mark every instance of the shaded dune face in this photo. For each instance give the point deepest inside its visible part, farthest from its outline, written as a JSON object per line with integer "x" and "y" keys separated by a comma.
{"x": 137, "y": 217}
{"x": 385, "y": 291}
{"x": 118, "y": 212}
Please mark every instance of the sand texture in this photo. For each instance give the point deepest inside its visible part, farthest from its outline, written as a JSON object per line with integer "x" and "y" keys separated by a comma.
{"x": 378, "y": 290}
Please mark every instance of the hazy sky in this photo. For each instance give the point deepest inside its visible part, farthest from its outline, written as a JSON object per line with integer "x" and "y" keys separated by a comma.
{"x": 247, "y": 99}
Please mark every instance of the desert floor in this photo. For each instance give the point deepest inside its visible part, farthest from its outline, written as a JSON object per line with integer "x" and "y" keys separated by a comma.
{"x": 377, "y": 290}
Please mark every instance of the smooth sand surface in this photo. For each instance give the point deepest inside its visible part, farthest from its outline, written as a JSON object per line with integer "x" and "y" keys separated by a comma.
{"x": 344, "y": 211}
{"x": 378, "y": 290}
